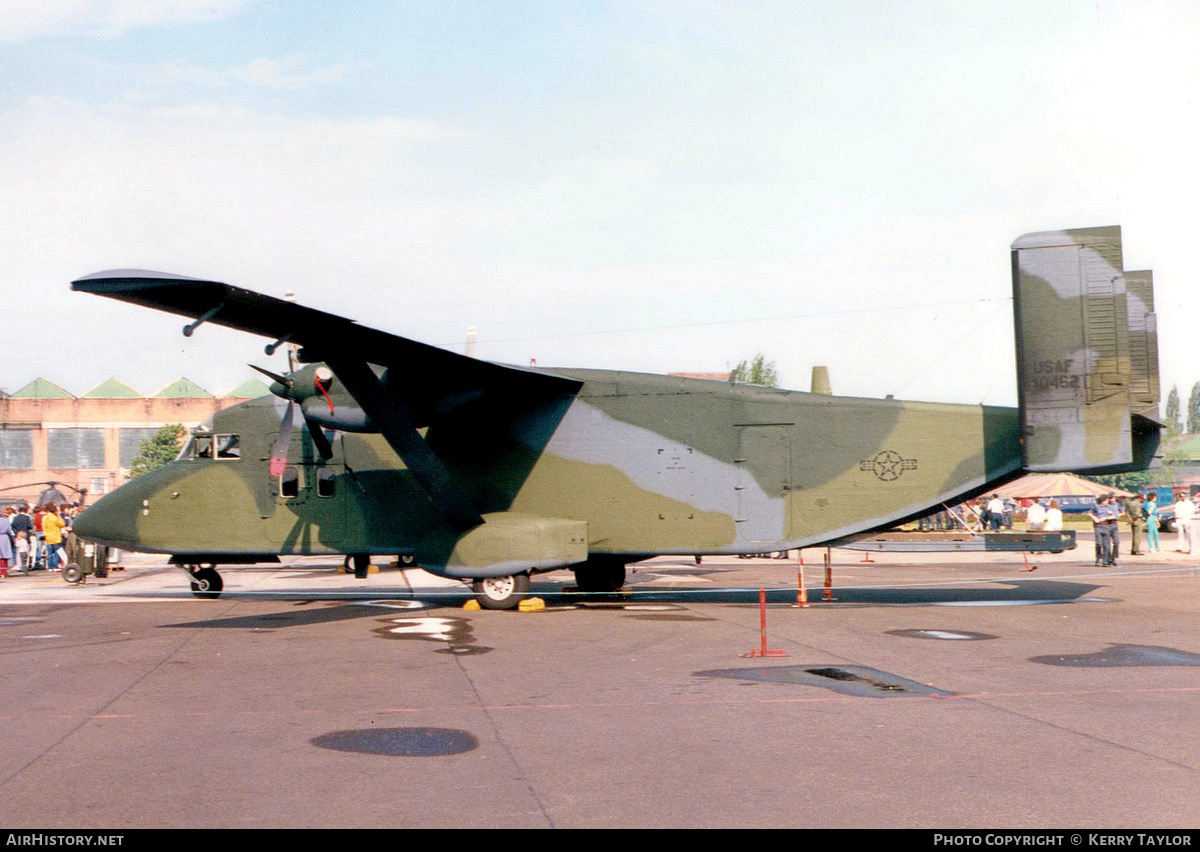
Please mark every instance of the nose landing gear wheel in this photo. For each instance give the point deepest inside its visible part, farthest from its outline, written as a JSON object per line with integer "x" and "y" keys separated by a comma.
{"x": 501, "y": 592}
{"x": 206, "y": 582}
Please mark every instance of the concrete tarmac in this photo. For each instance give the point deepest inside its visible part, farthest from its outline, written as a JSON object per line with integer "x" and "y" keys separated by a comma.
{"x": 935, "y": 691}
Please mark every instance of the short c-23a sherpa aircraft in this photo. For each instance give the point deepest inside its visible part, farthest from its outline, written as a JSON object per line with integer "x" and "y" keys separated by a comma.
{"x": 490, "y": 473}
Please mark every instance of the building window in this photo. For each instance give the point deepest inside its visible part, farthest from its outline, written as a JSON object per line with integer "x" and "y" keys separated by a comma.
{"x": 98, "y": 485}
{"x": 131, "y": 443}
{"x": 16, "y": 449}
{"x": 71, "y": 449}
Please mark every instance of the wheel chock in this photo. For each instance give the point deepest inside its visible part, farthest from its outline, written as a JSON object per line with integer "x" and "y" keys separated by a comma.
{"x": 531, "y": 605}
{"x": 349, "y": 569}
{"x": 472, "y": 605}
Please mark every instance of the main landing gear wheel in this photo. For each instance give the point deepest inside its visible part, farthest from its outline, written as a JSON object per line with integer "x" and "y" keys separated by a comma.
{"x": 359, "y": 564}
{"x": 600, "y": 576}
{"x": 501, "y": 592}
{"x": 206, "y": 582}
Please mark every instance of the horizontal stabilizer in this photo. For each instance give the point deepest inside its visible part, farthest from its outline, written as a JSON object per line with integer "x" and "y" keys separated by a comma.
{"x": 1087, "y": 353}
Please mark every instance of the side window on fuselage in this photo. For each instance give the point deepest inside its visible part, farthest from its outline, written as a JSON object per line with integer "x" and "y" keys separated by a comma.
{"x": 289, "y": 482}
{"x": 326, "y": 481}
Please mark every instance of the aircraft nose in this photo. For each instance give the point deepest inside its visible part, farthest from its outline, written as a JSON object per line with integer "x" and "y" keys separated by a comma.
{"x": 112, "y": 520}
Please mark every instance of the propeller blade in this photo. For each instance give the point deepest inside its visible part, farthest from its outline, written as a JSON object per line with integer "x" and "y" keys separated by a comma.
{"x": 318, "y": 438}
{"x": 275, "y": 377}
{"x": 283, "y": 440}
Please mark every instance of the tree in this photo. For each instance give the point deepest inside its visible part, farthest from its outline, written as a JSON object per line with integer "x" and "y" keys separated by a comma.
{"x": 758, "y": 372}
{"x": 1134, "y": 480}
{"x": 160, "y": 448}
{"x": 1171, "y": 417}
{"x": 1193, "y": 409}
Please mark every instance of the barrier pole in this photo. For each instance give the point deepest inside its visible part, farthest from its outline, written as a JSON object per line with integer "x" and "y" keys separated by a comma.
{"x": 828, "y": 576}
{"x": 762, "y": 630}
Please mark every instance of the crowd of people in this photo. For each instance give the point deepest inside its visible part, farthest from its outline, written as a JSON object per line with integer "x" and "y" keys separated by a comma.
{"x": 992, "y": 514}
{"x": 1140, "y": 511}
{"x": 33, "y": 540}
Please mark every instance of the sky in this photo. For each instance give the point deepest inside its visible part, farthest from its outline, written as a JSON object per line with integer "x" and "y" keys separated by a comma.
{"x": 657, "y": 187}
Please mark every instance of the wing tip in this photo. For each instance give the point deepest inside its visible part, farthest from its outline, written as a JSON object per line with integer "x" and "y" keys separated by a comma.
{"x": 129, "y": 276}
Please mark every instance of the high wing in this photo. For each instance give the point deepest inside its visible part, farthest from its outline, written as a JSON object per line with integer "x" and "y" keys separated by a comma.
{"x": 419, "y": 385}
{"x": 424, "y": 377}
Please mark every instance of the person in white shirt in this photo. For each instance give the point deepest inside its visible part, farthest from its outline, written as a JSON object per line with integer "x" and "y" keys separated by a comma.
{"x": 1185, "y": 514}
{"x": 995, "y": 512}
{"x": 1054, "y": 517}
{"x": 1036, "y": 517}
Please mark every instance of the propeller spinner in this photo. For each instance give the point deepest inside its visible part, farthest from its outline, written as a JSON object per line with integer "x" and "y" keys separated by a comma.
{"x": 287, "y": 387}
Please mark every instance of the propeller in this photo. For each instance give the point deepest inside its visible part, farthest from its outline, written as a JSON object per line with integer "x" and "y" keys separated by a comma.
{"x": 275, "y": 377}
{"x": 283, "y": 440}
{"x": 285, "y": 387}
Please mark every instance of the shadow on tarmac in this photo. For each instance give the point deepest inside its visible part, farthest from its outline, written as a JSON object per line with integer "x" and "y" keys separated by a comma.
{"x": 309, "y": 609}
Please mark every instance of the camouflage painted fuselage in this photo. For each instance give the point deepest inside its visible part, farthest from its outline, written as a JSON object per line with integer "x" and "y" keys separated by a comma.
{"x": 486, "y": 470}
{"x": 649, "y": 465}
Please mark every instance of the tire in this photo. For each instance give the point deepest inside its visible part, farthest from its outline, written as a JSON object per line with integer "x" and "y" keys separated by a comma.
{"x": 207, "y": 583}
{"x": 101, "y": 565}
{"x": 600, "y": 576}
{"x": 407, "y": 560}
{"x": 72, "y": 573}
{"x": 501, "y": 592}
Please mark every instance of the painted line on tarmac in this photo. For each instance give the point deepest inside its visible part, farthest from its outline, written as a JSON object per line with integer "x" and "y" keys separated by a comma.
{"x": 596, "y": 705}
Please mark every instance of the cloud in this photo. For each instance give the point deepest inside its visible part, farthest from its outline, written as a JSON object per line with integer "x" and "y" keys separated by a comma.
{"x": 287, "y": 74}
{"x": 275, "y": 74}
{"x": 23, "y": 20}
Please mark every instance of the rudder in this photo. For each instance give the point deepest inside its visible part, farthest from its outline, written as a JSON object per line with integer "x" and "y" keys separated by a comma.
{"x": 1087, "y": 354}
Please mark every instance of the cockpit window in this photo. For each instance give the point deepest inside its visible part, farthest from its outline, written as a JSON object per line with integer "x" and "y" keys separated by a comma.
{"x": 199, "y": 443}
{"x": 204, "y": 445}
{"x": 199, "y": 447}
{"x": 228, "y": 446}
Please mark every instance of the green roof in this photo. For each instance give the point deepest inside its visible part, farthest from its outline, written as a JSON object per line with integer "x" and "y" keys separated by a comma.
{"x": 183, "y": 388}
{"x": 112, "y": 389}
{"x": 39, "y": 388}
{"x": 250, "y": 389}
